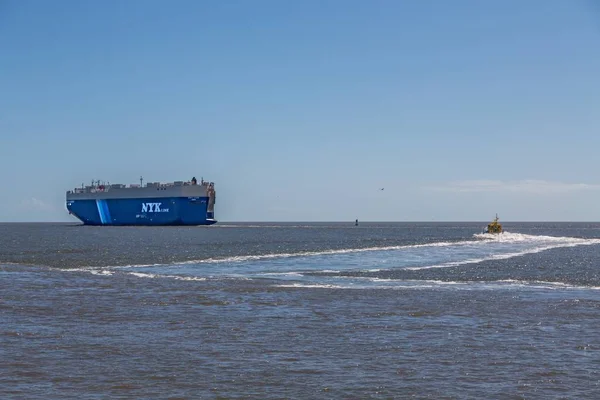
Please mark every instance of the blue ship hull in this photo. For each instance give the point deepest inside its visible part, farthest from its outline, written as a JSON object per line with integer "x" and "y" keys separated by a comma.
{"x": 158, "y": 211}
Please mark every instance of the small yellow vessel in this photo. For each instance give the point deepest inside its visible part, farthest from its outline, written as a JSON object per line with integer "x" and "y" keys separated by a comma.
{"x": 494, "y": 226}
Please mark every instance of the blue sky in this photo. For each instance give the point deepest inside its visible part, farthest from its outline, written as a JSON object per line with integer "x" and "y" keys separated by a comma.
{"x": 300, "y": 111}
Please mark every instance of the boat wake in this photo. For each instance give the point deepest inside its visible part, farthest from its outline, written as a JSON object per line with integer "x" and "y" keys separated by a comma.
{"x": 502, "y": 284}
{"x": 346, "y": 268}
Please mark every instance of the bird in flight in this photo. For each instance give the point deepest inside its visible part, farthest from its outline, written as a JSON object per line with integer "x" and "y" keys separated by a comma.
{"x": 381, "y": 189}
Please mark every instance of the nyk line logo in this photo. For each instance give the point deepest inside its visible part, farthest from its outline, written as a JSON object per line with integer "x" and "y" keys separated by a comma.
{"x": 153, "y": 207}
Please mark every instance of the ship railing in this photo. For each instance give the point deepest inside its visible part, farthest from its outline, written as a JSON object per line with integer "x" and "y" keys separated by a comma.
{"x": 107, "y": 187}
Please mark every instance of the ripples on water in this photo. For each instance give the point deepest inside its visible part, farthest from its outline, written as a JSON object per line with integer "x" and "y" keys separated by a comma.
{"x": 300, "y": 311}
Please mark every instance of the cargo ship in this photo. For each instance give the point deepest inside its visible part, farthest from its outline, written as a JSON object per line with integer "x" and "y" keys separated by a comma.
{"x": 155, "y": 203}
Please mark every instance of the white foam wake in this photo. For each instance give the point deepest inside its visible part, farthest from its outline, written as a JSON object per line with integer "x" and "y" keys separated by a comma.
{"x": 508, "y": 237}
{"x": 431, "y": 284}
{"x": 323, "y": 267}
{"x": 300, "y": 254}
{"x": 482, "y": 239}
{"x": 505, "y": 256}
{"x": 178, "y": 277}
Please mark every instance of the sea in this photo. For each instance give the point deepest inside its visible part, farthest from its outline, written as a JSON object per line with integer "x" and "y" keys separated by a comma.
{"x": 300, "y": 311}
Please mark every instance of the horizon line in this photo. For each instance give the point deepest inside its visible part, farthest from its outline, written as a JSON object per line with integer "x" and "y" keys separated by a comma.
{"x": 320, "y": 222}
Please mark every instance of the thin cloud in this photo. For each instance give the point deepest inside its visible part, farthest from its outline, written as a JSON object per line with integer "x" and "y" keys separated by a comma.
{"x": 521, "y": 186}
{"x": 36, "y": 204}
{"x": 34, "y": 209}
